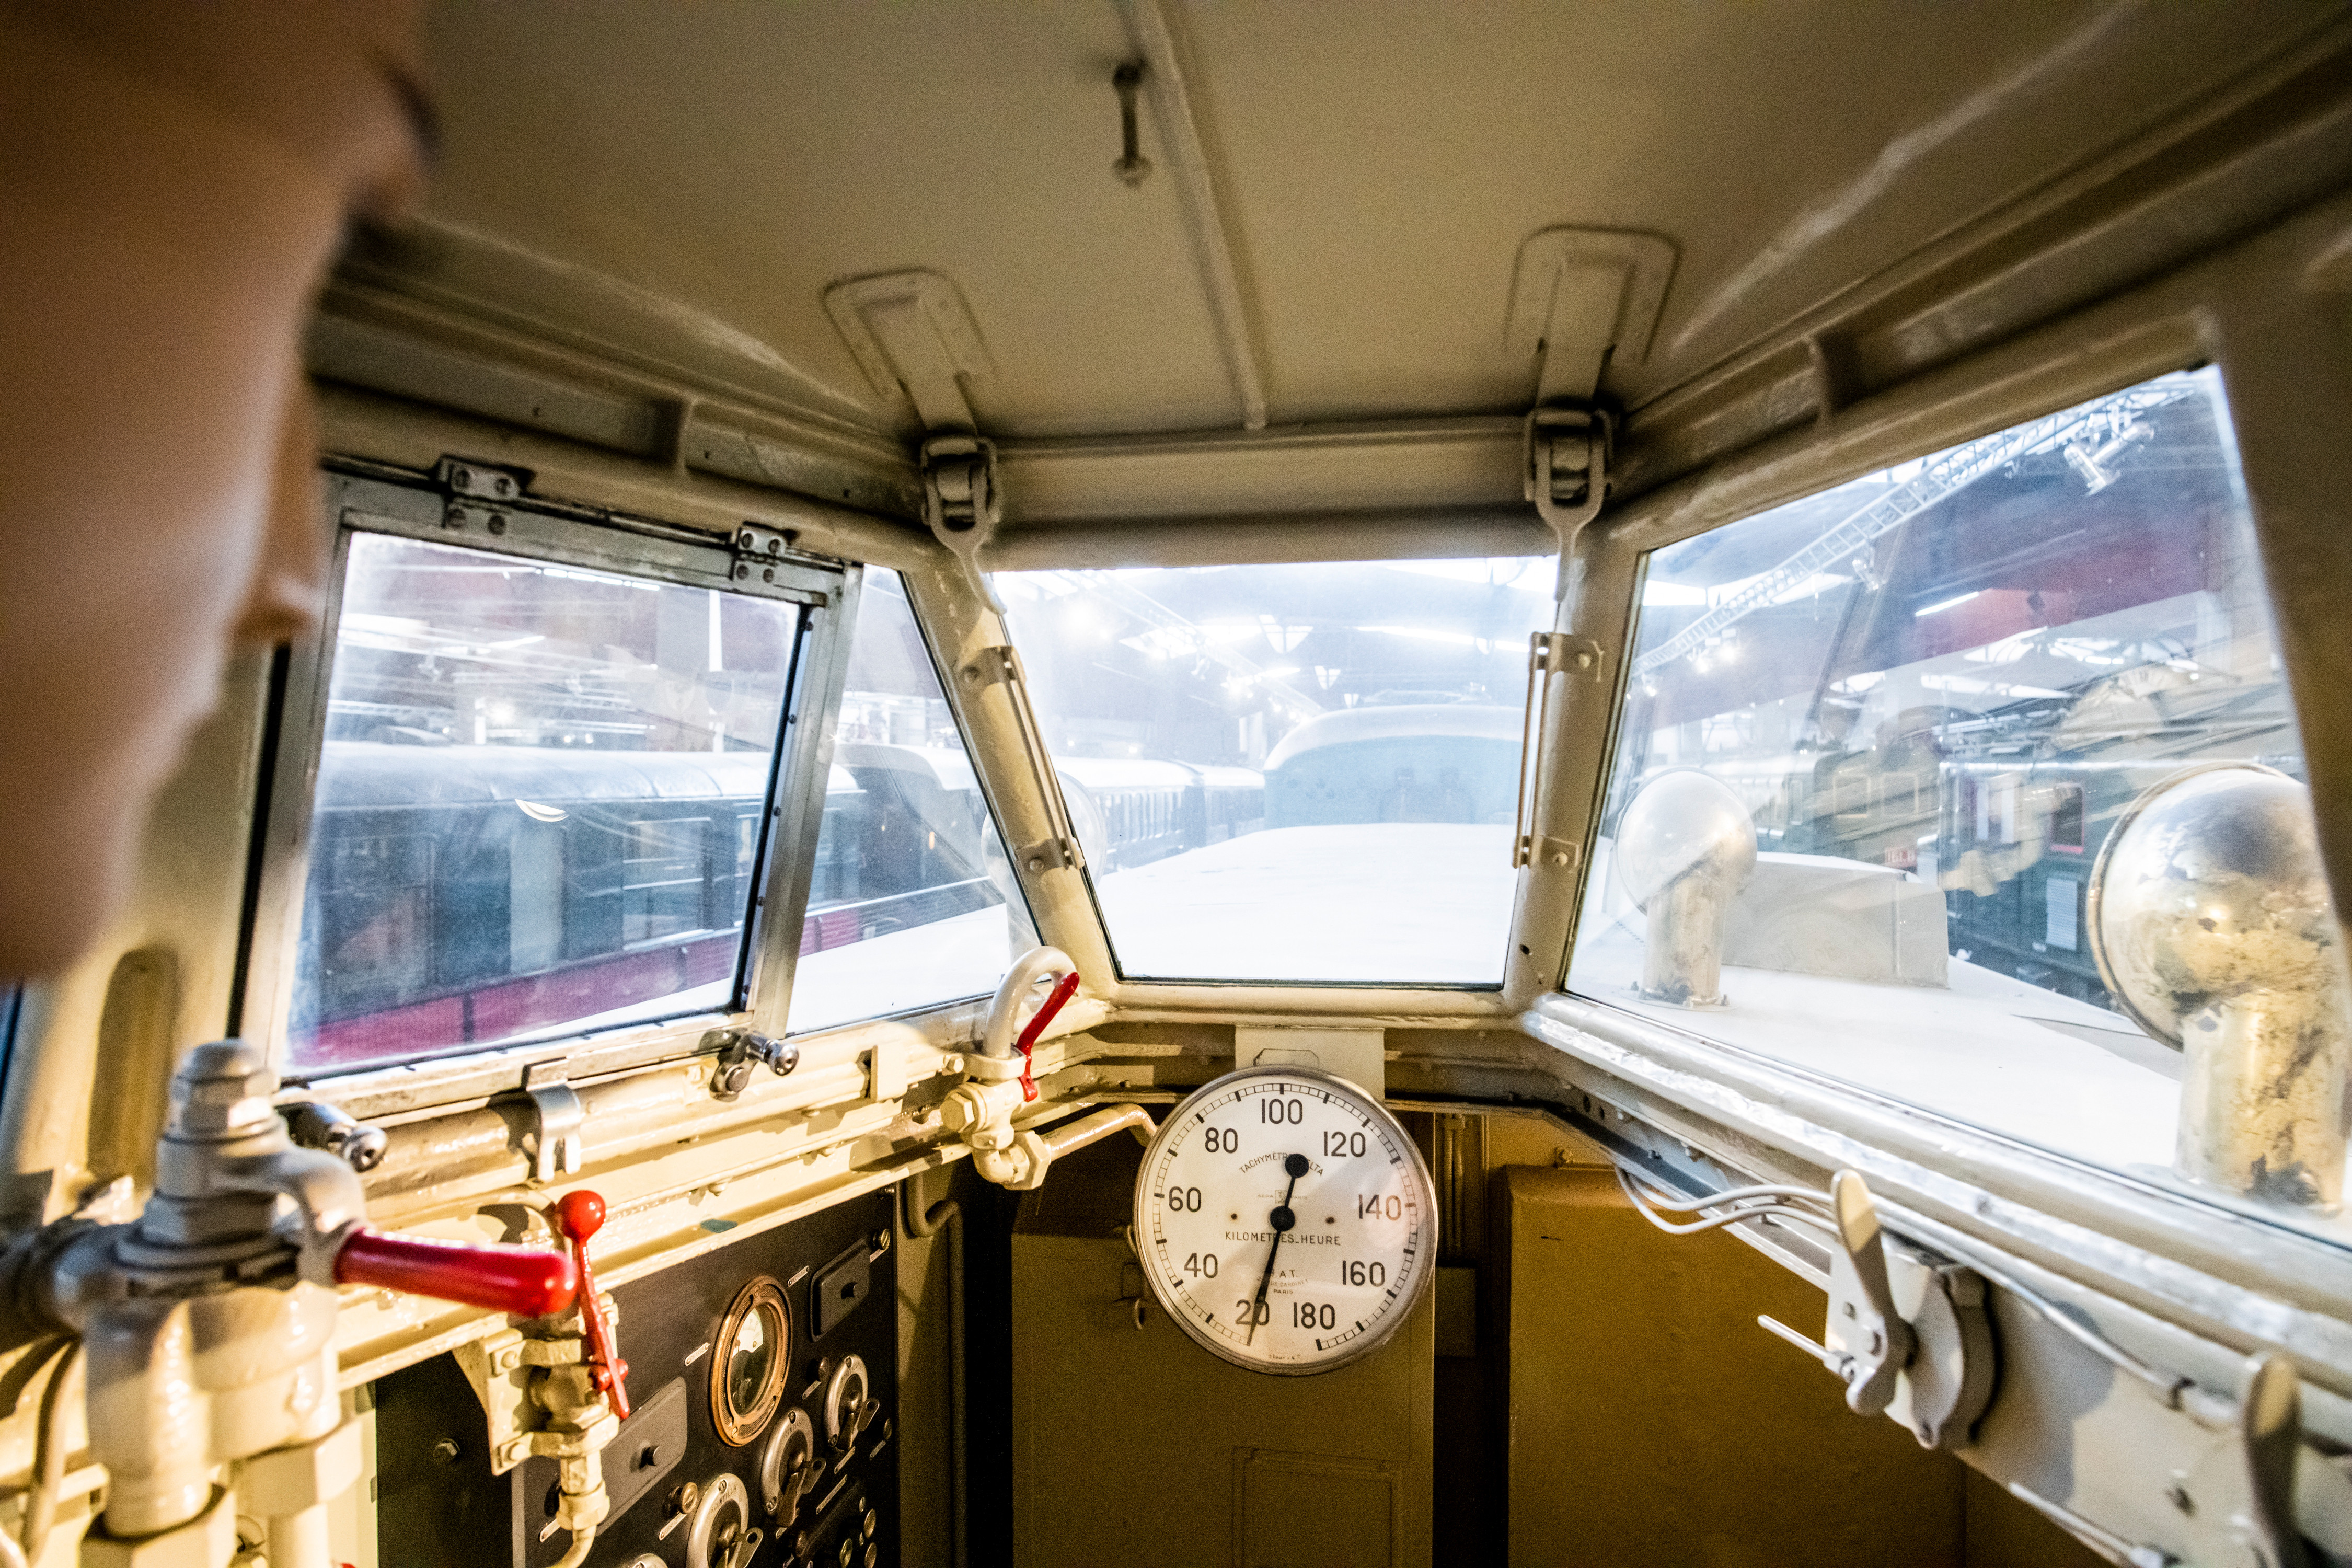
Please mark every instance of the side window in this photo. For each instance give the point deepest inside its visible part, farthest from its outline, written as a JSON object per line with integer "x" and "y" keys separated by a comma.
{"x": 1940, "y": 695}
{"x": 912, "y": 900}
{"x": 538, "y": 801}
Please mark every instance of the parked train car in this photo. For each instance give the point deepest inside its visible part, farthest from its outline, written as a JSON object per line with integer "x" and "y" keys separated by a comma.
{"x": 559, "y": 879}
{"x": 1403, "y": 761}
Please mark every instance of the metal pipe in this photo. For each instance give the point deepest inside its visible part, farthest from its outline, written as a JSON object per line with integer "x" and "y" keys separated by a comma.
{"x": 1095, "y": 1128}
{"x": 1005, "y": 1012}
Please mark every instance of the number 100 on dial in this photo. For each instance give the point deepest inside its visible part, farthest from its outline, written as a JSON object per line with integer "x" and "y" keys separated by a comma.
{"x": 1285, "y": 1221}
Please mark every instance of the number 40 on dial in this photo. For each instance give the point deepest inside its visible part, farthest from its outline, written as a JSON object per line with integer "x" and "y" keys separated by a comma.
{"x": 1285, "y": 1221}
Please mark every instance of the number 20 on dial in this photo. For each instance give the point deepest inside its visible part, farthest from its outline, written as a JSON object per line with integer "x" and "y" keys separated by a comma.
{"x": 1285, "y": 1221}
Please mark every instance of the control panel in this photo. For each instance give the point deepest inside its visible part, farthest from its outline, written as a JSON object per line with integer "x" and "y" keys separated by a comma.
{"x": 760, "y": 1380}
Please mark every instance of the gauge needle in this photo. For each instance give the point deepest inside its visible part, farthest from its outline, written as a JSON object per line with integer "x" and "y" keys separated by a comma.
{"x": 1282, "y": 1219}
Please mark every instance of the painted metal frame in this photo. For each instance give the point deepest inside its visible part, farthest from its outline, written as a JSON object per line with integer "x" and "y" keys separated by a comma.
{"x": 374, "y": 498}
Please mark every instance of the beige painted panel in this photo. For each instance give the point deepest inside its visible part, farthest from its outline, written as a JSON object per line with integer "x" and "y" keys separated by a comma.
{"x": 1139, "y": 1448}
{"x": 1653, "y": 1422}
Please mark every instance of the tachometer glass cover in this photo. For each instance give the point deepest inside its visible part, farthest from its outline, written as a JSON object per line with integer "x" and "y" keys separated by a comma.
{"x": 912, "y": 900}
{"x": 1300, "y": 773}
{"x": 1285, "y": 1221}
{"x": 749, "y": 1357}
{"x": 539, "y": 802}
{"x": 1933, "y": 695}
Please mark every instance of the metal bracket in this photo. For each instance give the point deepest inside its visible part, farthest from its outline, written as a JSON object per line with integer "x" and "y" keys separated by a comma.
{"x": 1908, "y": 1335}
{"x": 1567, "y": 472}
{"x": 557, "y": 1115}
{"x": 1059, "y": 850}
{"x": 989, "y": 666}
{"x": 740, "y": 1050}
{"x": 1548, "y": 654}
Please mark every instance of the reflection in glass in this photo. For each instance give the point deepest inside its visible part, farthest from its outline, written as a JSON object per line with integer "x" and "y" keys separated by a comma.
{"x": 1936, "y": 692}
{"x": 912, "y": 901}
{"x": 539, "y": 802}
{"x": 1290, "y": 772}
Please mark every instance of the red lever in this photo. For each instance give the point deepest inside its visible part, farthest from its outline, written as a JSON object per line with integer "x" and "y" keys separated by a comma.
{"x": 528, "y": 1281}
{"x": 580, "y": 1215}
{"x": 1062, "y": 991}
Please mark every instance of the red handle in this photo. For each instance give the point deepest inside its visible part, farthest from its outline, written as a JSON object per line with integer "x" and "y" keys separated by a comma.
{"x": 528, "y": 1281}
{"x": 580, "y": 1215}
{"x": 1064, "y": 989}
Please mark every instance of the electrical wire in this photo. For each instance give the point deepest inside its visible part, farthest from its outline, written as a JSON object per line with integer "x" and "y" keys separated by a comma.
{"x": 1777, "y": 1202}
{"x": 50, "y": 1456}
{"x": 1770, "y": 1207}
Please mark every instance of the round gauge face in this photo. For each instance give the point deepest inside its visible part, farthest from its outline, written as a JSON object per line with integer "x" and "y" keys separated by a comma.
{"x": 1285, "y": 1220}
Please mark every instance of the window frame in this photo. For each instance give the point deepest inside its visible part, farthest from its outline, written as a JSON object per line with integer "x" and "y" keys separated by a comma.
{"x": 2159, "y": 1259}
{"x": 382, "y": 500}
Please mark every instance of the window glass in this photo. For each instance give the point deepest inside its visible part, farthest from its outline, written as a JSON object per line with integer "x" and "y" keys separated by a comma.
{"x": 1933, "y": 694}
{"x": 1291, "y": 772}
{"x": 912, "y": 901}
{"x": 539, "y": 802}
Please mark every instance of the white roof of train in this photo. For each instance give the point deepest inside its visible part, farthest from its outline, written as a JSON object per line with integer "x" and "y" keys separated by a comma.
{"x": 358, "y": 774}
{"x": 1399, "y": 721}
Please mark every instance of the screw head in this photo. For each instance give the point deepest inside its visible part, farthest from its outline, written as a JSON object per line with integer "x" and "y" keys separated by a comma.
{"x": 445, "y": 1451}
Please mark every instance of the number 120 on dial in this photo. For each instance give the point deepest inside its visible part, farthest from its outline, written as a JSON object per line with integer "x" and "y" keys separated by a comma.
{"x": 1285, "y": 1221}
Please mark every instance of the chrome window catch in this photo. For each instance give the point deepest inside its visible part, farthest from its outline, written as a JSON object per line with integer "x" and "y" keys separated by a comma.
{"x": 556, "y": 1117}
{"x": 315, "y": 1124}
{"x": 741, "y": 1050}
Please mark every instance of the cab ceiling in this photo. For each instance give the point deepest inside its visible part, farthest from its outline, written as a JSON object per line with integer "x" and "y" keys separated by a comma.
{"x": 679, "y": 186}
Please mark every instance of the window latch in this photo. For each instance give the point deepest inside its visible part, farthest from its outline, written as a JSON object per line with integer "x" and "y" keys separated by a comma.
{"x": 739, "y": 1051}
{"x": 1568, "y": 471}
{"x": 962, "y": 501}
{"x": 315, "y": 1124}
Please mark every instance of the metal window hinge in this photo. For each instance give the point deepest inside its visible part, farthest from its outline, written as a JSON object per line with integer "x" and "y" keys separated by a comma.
{"x": 479, "y": 494}
{"x": 556, "y": 1115}
{"x": 759, "y": 551}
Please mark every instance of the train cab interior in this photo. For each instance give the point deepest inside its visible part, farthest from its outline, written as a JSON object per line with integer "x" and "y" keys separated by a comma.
{"x": 1176, "y": 783}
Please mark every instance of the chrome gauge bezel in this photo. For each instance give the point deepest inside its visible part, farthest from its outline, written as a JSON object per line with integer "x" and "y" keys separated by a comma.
{"x": 1417, "y": 1173}
{"x": 741, "y": 1428}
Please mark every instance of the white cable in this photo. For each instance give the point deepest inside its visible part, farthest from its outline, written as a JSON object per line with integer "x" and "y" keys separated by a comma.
{"x": 1775, "y": 1204}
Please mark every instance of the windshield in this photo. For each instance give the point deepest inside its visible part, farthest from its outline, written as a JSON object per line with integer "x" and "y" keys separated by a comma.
{"x": 1291, "y": 772}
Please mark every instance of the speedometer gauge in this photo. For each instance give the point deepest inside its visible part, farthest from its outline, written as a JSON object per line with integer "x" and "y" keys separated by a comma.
{"x": 1285, "y": 1220}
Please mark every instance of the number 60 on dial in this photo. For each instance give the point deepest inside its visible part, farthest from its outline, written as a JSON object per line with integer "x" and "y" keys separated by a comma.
{"x": 1285, "y": 1220}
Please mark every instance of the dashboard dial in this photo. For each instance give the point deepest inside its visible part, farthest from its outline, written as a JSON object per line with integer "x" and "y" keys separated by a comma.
{"x": 747, "y": 1362}
{"x": 1285, "y": 1220}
